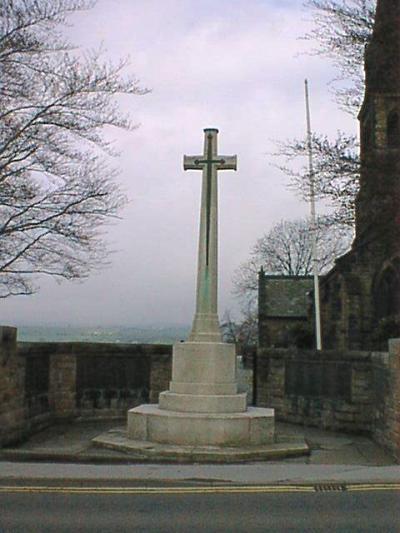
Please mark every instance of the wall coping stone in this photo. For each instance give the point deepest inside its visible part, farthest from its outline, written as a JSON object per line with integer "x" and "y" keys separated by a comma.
{"x": 310, "y": 355}
{"x": 8, "y": 335}
{"x": 92, "y": 348}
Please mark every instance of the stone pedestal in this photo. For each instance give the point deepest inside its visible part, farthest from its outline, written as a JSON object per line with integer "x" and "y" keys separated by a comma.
{"x": 202, "y": 406}
{"x": 251, "y": 428}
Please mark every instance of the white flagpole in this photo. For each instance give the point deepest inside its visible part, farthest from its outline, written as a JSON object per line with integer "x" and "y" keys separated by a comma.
{"x": 313, "y": 225}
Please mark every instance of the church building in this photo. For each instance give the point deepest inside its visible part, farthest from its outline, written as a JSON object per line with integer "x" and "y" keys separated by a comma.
{"x": 360, "y": 296}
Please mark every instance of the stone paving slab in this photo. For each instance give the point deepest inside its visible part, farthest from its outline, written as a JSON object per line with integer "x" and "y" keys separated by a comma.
{"x": 150, "y": 474}
{"x": 327, "y": 462}
{"x": 142, "y": 450}
{"x": 72, "y": 442}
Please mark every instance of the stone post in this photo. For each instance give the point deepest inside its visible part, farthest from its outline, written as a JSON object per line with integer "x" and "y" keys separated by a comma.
{"x": 394, "y": 388}
{"x": 12, "y": 388}
{"x": 62, "y": 386}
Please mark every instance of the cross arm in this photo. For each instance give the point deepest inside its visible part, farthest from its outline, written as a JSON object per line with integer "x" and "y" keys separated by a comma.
{"x": 227, "y": 162}
{"x": 222, "y": 162}
{"x": 191, "y": 162}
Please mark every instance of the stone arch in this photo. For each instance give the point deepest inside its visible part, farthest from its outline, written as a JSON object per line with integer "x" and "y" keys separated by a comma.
{"x": 386, "y": 290}
{"x": 393, "y": 128}
{"x": 367, "y": 132}
{"x": 338, "y": 306}
{"x": 353, "y": 315}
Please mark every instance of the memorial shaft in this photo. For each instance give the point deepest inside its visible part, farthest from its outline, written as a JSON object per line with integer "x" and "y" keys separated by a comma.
{"x": 205, "y": 324}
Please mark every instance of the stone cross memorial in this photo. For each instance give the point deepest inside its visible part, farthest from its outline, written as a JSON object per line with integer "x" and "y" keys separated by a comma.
{"x": 205, "y": 324}
{"x": 202, "y": 407}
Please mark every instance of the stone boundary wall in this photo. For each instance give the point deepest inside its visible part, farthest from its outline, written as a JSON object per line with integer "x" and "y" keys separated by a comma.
{"x": 332, "y": 391}
{"x": 42, "y": 382}
{"x": 386, "y": 409}
{"x": 12, "y": 393}
{"x": 345, "y": 391}
{"x": 70, "y": 396}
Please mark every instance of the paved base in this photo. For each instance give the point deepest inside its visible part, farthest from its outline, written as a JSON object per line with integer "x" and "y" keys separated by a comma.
{"x": 118, "y": 440}
{"x": 329, "y": 453}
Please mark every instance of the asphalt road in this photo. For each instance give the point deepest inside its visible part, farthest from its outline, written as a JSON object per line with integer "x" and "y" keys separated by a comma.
{"x": 198, "y": 509}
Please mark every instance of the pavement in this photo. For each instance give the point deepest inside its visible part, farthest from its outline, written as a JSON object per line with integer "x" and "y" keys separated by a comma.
{"x": 65, "y": 452}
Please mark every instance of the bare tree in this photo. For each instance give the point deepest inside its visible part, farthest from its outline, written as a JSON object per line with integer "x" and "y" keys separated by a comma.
{"x": 244, "y": 332}
{"x": 336, "y": 173}
{"x": 342, "y": 29}
{"x": 56, "y": 189}
{"x": 287, "y": 250}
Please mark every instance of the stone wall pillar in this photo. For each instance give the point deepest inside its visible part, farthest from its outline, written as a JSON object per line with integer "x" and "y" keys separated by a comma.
{"x": 62, "y": 385}
{"x": 270, "y": 380}
{"x": 12, "y": 388}
{"x": 261, "y": 374}
{"x": 160, "y": 374}
{"x": 393, "y": 413}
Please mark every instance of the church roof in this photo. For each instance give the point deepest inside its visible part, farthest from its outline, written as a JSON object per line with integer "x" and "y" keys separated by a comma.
{"x": 287, "y": 296}
{"x": 382, "y": 57}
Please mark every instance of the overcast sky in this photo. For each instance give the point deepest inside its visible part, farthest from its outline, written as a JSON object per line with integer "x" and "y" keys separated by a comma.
{"x": 231, "y": 64}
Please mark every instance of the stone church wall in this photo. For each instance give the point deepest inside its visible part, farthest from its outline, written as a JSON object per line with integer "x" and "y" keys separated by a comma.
{"x": 44, "y": 382}
{"x": 350, "y": 391}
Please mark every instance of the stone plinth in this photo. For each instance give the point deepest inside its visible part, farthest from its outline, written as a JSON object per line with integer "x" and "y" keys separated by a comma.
{"x": 203, "y": 379}
{"x": 204, "y": 368}
{"x": 202, "y": 406}
{"x": 201, "y": 403}
{"x": 152, "y": 424}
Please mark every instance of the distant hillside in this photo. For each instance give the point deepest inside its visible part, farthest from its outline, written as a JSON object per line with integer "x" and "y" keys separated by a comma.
{"x": 126, "y": 334}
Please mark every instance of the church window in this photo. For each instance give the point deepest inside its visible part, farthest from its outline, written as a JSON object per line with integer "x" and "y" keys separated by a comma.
{"x": 336, "y": 302}
{"x": 353, "y": 332}
{"x": 393, "y": 129}
{"x": 387, "y": 294}
{"x": 326, "y": 293}
{"x": 367, "y": 133}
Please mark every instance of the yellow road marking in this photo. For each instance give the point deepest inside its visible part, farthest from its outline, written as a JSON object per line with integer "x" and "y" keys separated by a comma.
{"x": 373, "y": 486}
{"x": 251, "y": 489}
{"x": 158, "y": 490}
